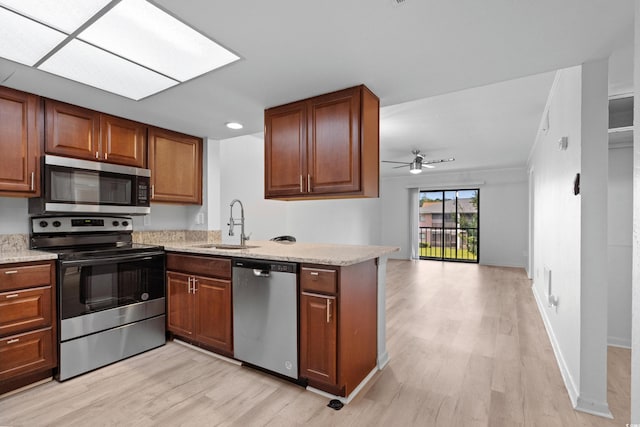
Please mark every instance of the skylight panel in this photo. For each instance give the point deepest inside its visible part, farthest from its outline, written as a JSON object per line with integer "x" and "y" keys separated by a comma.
{"x": 142, "y": 33}
{"x": 65, "y": 15}
{"x": 25, "y": 41}
{"x": 87, "y": 64}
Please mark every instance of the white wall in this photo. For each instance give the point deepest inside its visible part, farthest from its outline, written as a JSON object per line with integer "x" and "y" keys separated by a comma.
{"x": 503, "y": 211}
{"x": 635, "y": 332}
{"x": 620, "y": 213}
{"x": 567, "y": 228}
{"x": 348, "y": 221}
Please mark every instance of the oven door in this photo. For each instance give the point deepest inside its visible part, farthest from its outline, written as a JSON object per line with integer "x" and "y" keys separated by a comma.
{"x": 104, "y": 292}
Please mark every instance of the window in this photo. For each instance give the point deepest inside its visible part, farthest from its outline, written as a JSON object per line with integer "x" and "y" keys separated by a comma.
{"x": 449, "y": 225}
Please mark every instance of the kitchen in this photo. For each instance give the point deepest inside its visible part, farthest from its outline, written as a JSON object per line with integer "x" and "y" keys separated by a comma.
{"x": 351, "y": 221}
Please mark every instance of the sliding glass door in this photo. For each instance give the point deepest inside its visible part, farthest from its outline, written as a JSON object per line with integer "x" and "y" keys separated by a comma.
{"x": 449, "y": 224}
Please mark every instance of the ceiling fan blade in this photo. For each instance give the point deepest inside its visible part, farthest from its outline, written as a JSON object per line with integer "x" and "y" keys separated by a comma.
{"x": 401, "y": 166}
{"x": 401, "y": 163}
{"x": 429, "y": 162}
{"x": 427, "y": 165}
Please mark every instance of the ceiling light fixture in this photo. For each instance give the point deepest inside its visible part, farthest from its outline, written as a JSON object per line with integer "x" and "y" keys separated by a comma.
{"x": 415, "y": 167}
{"x": 234, "y": 125}
{"x": 134, "y": 48}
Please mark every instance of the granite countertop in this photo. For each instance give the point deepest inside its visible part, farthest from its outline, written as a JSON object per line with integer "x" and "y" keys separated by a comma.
{"x": 313, "y": 253}
{"x": 24, "y": 255}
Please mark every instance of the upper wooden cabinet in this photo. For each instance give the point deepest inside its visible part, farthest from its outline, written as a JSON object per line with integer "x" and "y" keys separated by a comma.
{"x": 20, "y": 141}
{"x": 175, "y": 161}
{"x": 123, "y": 141}
{"x": 323, "y": 147}
{"x": 86, "y": 134}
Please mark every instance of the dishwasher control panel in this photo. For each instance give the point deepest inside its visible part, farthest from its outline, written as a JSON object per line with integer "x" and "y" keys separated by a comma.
{"x": 276, "y": 267}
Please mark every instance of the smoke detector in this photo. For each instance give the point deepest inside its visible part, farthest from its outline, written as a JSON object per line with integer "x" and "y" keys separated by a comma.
{"x": 398, "y": 2}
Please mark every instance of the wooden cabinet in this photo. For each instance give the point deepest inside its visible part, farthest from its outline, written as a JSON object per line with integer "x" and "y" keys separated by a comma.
{"x": 175, "y": 161}
{"x": 74, "y": 131}
{"x": 199, "y": 301}
{"x": 323, "y": 147}
{"x": 123, "y": 141}
{"x": 27, "y": 323}
{"x": 338, "y": 325}
{"x": 20, "y": 142}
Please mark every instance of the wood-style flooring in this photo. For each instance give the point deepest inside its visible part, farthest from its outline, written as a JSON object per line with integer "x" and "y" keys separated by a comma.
{"x": 467, "y": 348}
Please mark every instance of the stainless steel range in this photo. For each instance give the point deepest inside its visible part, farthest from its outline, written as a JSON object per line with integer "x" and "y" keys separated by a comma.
{"x": 111, "y": 292}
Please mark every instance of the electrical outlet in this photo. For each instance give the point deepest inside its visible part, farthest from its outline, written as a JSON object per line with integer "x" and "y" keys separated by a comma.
{"x": 200, "y": 218}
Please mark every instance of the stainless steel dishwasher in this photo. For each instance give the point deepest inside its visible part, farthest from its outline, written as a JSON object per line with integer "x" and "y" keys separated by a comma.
{"x": 265, "y": 315}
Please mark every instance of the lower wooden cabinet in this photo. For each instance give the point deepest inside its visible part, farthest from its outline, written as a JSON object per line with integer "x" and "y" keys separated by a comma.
{"x": 199, "y": 306}
{"x": 318, "y": 338}
{"x": 27, "y": 323}
{"x": 338, "y": 325}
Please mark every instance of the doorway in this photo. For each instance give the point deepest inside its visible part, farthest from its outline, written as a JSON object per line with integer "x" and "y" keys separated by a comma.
{"x": 449, "y": 225}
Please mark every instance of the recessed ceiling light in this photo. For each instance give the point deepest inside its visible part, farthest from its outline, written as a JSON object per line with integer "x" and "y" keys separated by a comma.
{"x": 142, "y": 33}
{"x": 131, "y": 48}
{"x": 87, "y": 64}
{"x": 234, "y": 125}
{"x": 65, "y": 15}
{"x": 25, "y": 41}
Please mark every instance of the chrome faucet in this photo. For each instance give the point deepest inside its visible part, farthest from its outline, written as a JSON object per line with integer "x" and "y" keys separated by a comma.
{"x": 232, "y": 222}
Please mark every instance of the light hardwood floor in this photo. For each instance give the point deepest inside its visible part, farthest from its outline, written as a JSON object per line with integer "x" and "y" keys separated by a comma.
{"x": 467, "y": 347}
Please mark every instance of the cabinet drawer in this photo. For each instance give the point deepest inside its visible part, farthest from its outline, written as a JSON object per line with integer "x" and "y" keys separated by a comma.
{"x": 318, "y": 280}
{"x": 25, "y": 276}
{"x": 21, "y": 354}
{"x": 202, "y": 265}
{"x": 24, "y": 310}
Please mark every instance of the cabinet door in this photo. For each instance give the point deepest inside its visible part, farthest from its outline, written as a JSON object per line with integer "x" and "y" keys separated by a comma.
{"x": 179, "y": 304}
{"x": 123, "y": 141}
{"x": 175, "y": 161}
{"x": 25, "y": 309}
{"x": 213, "y": 313}
{"x": 318, "y": 334}
{"x": 72, "y": 131}
{"x": 285, "y": 150}
{"x": 19, "y": 143}
{"x": 334, "y": 143}
{"x": 29, "y": 352}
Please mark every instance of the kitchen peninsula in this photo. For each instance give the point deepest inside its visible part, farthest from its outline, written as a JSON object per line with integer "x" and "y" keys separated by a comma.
{"x": 341, "y": 312}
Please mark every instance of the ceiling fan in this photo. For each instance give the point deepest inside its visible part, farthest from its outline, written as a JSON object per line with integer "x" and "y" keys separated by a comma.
{"x": 418, "y": 162}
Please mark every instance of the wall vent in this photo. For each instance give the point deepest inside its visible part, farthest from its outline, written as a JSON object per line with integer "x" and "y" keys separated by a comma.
{"x": 398, "y": 2}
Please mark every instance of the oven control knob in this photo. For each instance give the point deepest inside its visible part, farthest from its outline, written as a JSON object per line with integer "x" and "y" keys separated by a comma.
{"x": 57, "y": 223}
{"x": 44, "y": 224}
{"x": 125, "y": 223}
{"x": 115, "y": 223}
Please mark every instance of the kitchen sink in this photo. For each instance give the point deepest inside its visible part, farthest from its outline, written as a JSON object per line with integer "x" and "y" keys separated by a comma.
{"x": 225, "y": 246}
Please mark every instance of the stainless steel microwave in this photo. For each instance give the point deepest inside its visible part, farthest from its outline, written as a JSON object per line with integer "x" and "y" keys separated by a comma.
{"x": 84, "y": 186}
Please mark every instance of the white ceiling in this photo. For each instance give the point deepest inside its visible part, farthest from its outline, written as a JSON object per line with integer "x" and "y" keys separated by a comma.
{"x": 292, "y": 49}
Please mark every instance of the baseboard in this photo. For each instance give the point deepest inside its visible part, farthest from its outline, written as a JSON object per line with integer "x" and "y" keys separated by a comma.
{"x": 592, "y": 407}
{"x": 354, "y": 393}
{"x": 619, "y": 342}
{"x": 569, "y": 384}
{"x": 207, "y": 352}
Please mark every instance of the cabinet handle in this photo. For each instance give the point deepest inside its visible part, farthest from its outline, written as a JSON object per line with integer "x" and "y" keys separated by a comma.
{"x": 97, "y": 155}
{"x": 13, "y": 341}
{"x": 12, "y": 296}
{"x": 301, "y": 188}
{"x": 314, "y": 273}
{"x": 328, "y": 310}
{"x": 195, "y": 282}
{"x": 33, "y": 181}
{"x": 189, "y": 284}
{"x": 153, "y": 191}
{"x": 106, "y": 156}
{"x": 308, "y": 183}
{"x": 11, "y": 272}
